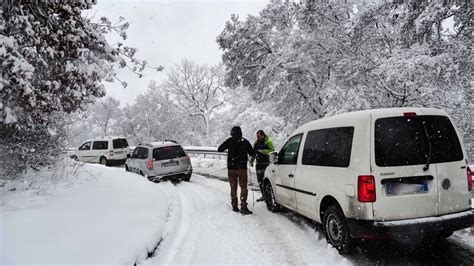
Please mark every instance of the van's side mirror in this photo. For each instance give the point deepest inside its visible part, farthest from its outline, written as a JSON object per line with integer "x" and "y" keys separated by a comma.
{"x": 273, "y": 157}
{"x": 128, "y": 155}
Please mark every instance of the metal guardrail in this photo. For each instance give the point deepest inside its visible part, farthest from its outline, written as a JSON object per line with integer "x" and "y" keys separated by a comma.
{"x": 188, "y": 149}
{"x": 204, "y": 150}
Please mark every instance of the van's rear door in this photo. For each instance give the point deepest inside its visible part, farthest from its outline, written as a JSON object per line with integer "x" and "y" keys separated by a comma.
{"x": 448, "y": 159}
{"x": 121, "y": 148}
{"x": 408, "y": 152}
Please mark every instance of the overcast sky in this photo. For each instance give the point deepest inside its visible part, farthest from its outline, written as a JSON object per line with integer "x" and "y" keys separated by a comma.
{"x": 167, "y": 31}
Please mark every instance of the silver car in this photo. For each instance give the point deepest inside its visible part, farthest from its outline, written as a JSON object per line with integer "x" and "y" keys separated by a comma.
{"x": 158, "y": 161}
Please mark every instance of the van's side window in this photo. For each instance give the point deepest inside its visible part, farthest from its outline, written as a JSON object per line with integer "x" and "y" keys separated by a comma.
{"x": 85, "y": 147}
{"x": 328, "y": 147}
{"x": 100, "y": 145}
{"x": 289, "y": 152}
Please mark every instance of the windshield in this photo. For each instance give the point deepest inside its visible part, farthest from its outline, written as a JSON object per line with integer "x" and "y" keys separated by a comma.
{"x": 404, "y": 141}
{"x": 170, "y": 152}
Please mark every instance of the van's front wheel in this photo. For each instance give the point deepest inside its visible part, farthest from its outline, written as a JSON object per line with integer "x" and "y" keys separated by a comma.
{"x": 336, "y": 231}
{"x": 272, "y": 205}
{"x": 103, "y": 161}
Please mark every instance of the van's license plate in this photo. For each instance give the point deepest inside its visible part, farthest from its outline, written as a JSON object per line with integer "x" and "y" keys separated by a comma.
{"x": 403, "y": 188}
{"x": 169, "y": 164}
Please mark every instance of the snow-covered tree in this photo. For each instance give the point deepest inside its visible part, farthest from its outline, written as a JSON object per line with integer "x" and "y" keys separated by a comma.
{"x": 409, "y": 54}
{"x": 105, "y": 114}
{"x": 316, "y": 58}
{"x": 154, "y": 116}
{"x": 287, "y": 54}
{"x": 53, "y": 61}
{"x": 196, "y": 88}
{"x": 241, "y": 110}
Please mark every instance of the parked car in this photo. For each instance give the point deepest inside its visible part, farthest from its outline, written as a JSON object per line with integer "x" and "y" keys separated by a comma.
{"x": 104, "y": 150}
{"x": 383, "y": 173}
{"x": 158, "y": 161}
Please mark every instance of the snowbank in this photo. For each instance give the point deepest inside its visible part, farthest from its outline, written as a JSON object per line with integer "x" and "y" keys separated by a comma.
{"x": 105, "y": 216}
{"x": 216, "y": 168}
{"x": 210, "y": 167}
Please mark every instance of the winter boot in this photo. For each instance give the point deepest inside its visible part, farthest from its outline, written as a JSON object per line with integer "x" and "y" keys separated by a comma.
{"x": 260, "y": 199}
{"x": 245, "y": 211}
{"x": 235, "y": 209}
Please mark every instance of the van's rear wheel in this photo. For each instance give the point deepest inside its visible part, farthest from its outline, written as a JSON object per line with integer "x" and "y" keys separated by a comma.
{"x": 103, "y": 161}
{"x": 336, "y": 230}
{"x": 272, "y": 205}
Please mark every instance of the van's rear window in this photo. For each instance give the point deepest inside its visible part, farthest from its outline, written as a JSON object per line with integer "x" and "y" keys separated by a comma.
{"x": 100, "y": 145}
{"x": 170, "y": 152}
{"x": 120, "y": 143}
{"x": 409, "y": 140}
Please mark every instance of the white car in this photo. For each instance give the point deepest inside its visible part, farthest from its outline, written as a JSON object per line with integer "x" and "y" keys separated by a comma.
{"x": 104, "y": 150}
{"x": 165, "y": 160}
{"x": 398, "y": 172}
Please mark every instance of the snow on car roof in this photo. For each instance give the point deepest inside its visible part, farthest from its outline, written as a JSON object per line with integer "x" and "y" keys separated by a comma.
{"x": 163, "y": 143}
{"x": 352, "y": 116}
{"x": 110, "y": 137}
{"x": 106, "y": 137}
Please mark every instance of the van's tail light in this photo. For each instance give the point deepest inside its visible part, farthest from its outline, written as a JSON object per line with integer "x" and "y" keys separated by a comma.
{"x": 187, "y": 157}
{"x": 366, "y": 188}
{"x": 409, "y": 114}
{"x": 469, "y": 179}
{"x": 149, "y": 164}
{"x": 111, "y": 152}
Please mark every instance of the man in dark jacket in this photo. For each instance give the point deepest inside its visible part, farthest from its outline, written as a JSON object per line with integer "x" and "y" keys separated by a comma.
{"x": 262, "y": 147}
{"x": 237, "y": 157}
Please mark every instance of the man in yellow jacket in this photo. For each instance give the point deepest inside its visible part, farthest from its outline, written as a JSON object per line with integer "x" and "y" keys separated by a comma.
{"x": 262, "y": 148}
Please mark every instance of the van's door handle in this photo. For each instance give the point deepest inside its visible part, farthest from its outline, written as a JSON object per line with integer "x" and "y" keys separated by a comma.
{"x": 291, "y": 175}
{"x": 273, "y": 171}
{"x": 463, "y": 167}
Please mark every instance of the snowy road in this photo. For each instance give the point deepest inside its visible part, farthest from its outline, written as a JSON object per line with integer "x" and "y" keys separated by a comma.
{"x": 202, "y": 229}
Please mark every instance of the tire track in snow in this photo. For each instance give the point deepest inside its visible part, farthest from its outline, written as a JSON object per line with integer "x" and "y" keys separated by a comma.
{"x": 275, "y": 243}
{"x": 178, "y": 229}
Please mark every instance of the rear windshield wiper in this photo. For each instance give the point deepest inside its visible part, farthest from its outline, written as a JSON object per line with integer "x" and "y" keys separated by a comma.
{"x": 428, "y": 158}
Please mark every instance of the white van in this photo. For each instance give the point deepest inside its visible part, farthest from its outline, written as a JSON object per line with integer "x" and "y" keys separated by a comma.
{"x": 398, "y": 172}
{"x": 104, "y": 150}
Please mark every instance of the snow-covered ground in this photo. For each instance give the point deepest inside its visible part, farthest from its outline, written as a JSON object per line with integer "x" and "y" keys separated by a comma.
{"x": 210, "y": 166}
{"x": 104, "y": 215}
